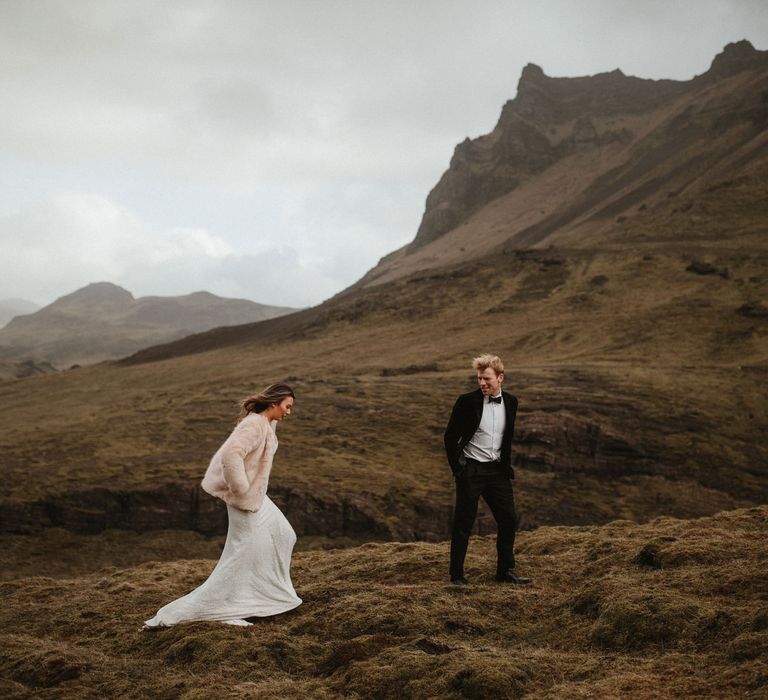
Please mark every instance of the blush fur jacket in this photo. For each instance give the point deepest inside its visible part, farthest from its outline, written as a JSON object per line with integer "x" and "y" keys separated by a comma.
{"x": 239, "y": 471}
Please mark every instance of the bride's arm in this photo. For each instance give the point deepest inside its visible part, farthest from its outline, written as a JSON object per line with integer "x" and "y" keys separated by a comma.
{"x": 245, "y": 438}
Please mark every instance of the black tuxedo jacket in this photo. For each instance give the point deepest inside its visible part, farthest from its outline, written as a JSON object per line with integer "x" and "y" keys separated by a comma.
{"x": 464, "y": 422}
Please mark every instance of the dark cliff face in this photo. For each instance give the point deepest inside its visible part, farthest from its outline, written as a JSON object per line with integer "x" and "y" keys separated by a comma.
{"x": 549, "y": 119}
{"x": 734, "y": 58}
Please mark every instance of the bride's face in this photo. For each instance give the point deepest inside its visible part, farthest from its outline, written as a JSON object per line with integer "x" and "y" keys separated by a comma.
{"x": 281, "y": 410}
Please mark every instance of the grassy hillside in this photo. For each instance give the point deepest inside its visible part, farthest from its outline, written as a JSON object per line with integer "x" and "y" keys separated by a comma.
{"x": 663, "y": 610}
{"x": 639, "y": 380}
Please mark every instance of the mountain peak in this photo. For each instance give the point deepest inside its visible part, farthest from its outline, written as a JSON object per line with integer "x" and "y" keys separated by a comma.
{"x": 734, "y": 58}
{"x": 738, "y": 49}
{"x": 532, "y": 73}
{"x": 98, "y": 292}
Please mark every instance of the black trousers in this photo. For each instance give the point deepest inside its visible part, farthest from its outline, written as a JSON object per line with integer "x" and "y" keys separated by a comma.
{"x": 496, "y": 490}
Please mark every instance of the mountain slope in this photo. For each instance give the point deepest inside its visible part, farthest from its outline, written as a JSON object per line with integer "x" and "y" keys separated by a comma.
{"x": 640, "y": 388}
{"x": 103, "y": 321}
{"x": 601, "y": 160}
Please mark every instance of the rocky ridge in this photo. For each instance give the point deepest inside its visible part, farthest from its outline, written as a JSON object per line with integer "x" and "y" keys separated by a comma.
{"x": 572, "y": 155}
{"x": 551, "y": 118}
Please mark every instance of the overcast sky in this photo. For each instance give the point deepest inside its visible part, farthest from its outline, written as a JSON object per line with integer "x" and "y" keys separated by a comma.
{"x": 276, "y": 150}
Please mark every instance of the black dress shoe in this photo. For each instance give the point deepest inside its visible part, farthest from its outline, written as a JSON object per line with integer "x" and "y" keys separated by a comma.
{"x": 459, "y": 581}
{"x": 511, "y": 577}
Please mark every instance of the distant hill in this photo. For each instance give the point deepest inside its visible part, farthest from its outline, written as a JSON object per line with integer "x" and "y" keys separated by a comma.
{"x": 103, "y": 321}
{"x": 15, "y": 307}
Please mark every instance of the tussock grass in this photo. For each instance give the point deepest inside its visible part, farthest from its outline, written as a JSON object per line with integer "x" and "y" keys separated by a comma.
{"x": 379, "y": 621}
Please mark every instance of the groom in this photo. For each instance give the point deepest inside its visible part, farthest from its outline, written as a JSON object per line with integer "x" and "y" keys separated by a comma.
{"x": 478, "y": 443}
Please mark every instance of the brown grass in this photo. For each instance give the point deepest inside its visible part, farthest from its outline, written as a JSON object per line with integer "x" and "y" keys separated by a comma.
{"x": 667, "y": 609}
{"x": 639, "y": 395}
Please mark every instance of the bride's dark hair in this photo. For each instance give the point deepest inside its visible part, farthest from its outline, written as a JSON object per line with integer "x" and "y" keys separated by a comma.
{"x": 257, "y": 403}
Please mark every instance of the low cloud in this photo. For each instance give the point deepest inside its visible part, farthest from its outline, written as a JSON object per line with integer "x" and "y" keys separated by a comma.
{"x": 75, "y": 238}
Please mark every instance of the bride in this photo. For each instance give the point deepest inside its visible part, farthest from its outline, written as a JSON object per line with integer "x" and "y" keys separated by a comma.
{"x": 252, "y": 578}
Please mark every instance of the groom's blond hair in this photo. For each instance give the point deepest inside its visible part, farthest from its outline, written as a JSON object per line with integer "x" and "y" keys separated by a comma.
{"x": 483, "y": 362}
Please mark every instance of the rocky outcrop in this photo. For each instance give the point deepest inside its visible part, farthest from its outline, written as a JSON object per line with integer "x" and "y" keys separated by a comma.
{"x": 10, "y": 369}
{"x": 734, "y": 58}
{"x": 569, "y": 444}
{"x": 549, "y": 119}
{"x": 700, "y": 267}
{"x": 184, "y": 506}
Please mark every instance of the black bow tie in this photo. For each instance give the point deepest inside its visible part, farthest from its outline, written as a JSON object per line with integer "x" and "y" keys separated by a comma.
{"x": 494, "y": 399}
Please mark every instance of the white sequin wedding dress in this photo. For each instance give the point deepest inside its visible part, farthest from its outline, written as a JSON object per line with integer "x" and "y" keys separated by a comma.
{"x": 252, "y": 577}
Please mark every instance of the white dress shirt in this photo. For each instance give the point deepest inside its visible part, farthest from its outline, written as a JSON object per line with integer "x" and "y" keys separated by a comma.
{"x": 485, "y": 444}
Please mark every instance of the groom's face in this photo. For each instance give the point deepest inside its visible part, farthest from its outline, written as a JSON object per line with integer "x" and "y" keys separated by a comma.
{"x": 490, "y": 382}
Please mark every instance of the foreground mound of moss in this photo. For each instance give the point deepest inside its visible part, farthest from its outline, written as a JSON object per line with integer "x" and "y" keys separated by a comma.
{"x": 671, "y": 608}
